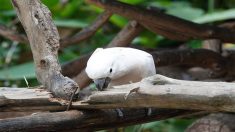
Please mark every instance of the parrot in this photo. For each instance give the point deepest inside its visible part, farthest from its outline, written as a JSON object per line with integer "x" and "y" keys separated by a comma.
{"x": 118, "y": 66}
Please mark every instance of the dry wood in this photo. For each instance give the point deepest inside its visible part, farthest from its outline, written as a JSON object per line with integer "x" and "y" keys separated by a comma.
{"x": 162, "y": 92}
{"x": 166, "y": 25}
{"x": 30, "y": 100}
{"x": 38, "y": 101}
{"x": 156, "y": 91}
{"x": 44, "y": 41}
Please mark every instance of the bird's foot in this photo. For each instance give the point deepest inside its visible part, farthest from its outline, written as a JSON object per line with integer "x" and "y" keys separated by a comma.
{"x": 148, "y": 111}
{"x": 119, "y": 113}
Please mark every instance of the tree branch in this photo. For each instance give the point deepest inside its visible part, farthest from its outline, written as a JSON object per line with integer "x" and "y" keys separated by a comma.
{"x": 88, "y": 31}
{"x": 219, "y": 122}
{"x": 193, "y": 57}
{"x": 84, "y": 34}
{"x": 167, "y": 25}
{"x": 12, "y": 35}
{"x": 38, "y": 100}
{"x": 44, "y": 41}
{"x": 163, "y": 92}
{"x": 84, "y": 121}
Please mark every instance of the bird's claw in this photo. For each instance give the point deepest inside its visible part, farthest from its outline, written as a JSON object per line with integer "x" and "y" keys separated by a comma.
{"x": 131, "y": 91}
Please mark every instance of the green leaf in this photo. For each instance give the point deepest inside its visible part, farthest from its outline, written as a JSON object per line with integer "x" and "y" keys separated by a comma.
{"x": 18, "y": 72}
{"x": 118, "y": 20}
{"x": 133, "y": 1}
{"x": 216, "y": 16}
{"x": 185, "y": 11}
{"x": 70, "y": 23}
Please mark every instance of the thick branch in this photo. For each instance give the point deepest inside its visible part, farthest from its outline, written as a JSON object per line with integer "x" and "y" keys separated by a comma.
{"x": 44, "y": 41}
{"x": 167, "y": 25}
{"x": 84, "y": 121}
{"x": 38, "y": 100}
{"x": 162, "y": 92}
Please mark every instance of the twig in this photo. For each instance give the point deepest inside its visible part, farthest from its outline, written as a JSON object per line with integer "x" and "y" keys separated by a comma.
{"x": 12, "y": 35}
{"x": 88, "y": 31}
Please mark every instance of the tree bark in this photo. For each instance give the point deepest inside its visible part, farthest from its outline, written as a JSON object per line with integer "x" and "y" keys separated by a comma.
{"x": 44, "y": 41}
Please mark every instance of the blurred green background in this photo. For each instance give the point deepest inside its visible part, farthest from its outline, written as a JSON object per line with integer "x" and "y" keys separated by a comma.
{"x": 70, "y": 16}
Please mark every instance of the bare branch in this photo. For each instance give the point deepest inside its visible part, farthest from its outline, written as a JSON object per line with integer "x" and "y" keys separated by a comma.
{"x": 126, "y": 35}
{"x": 162, "y": 92}
{"x": 88, "y": 31}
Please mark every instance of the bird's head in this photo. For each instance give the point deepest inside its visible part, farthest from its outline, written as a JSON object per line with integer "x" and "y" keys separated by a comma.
{"x": 105, "y": 65}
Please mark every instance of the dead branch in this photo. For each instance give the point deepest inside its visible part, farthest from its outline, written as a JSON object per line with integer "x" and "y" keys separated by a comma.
{"x": 44, "y": 41}
{"x": 38, "y": 100}
{"x": 220, "y": 122}
{"x": 30, "y": 100}
{"x": 163, "y": 92}
{"x": 12, "y": 35}
{"x": 167, "y": 25}
{"x": 88, "y": 31}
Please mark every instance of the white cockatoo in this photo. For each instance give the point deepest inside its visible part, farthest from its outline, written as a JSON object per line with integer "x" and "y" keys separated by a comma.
{"x": 118, "y": 66}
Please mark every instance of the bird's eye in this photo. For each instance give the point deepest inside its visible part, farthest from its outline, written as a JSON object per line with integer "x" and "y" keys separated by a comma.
{"x": 111, "y": 70}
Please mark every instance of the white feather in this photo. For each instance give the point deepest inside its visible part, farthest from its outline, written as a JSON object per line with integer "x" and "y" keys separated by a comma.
{"x": 122, "y": 65}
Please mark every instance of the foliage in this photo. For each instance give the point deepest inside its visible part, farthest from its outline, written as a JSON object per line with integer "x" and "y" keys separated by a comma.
{"x": 76, "y": 14}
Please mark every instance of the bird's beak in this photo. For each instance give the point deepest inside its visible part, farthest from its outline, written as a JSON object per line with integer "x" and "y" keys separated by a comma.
{"x": 102, "y": 83}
